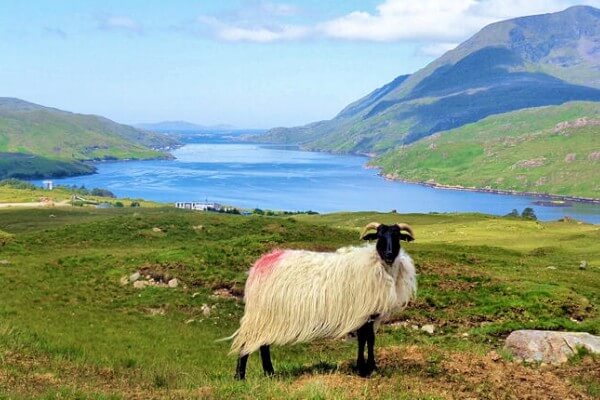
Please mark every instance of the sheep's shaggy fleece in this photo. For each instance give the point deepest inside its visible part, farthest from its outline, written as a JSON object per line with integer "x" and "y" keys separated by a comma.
{"x": 296, "y": 296}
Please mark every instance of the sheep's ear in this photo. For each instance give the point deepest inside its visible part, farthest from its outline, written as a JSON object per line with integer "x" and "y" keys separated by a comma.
{"x": 370, "y": 236}
{"x": 406, "y": 236}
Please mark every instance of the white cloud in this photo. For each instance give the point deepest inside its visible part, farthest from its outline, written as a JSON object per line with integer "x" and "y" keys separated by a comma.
{"x": 119, "y": 23}
{"x": 438, "y": 20}
{"x": 440, "y": 24}
{"x": 261, "y": 34}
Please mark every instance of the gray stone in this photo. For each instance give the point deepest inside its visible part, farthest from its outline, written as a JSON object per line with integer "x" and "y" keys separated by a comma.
{"x": 205, "y": 310}
{"x": 583, "y": 265}
{"x": 549, "y": 346}
{"x": 4, "y": 262}
{"x": 140, "y": 284}
{"x": 173, "y": 283}
{"x": 134, "y": 277}
{"x": 428, "y": 328}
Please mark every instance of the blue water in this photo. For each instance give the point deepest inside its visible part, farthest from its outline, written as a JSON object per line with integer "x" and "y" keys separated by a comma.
{"x": 274, "y": 177}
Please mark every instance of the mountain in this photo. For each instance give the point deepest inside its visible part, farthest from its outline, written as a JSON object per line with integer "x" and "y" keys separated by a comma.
{"x": 552, "y": 150}
{"x": 525, "y": 62}
{"x": 182, "y": 126}
{"x": 60, "y": 140}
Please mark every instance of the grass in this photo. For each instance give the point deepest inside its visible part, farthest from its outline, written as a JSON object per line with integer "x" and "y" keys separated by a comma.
{"x": 69, "y": 329}
{"x": 14, "y": 191}
{"x": 522, "y": 151}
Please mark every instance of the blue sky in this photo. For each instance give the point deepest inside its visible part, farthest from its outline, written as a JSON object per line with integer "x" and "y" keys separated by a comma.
{"x": 248, "y": 63}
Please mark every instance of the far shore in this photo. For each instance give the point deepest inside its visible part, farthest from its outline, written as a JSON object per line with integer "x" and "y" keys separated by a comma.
{"x": 435, "y": 185}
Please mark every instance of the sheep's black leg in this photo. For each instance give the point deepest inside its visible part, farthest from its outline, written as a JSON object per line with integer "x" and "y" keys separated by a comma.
{"x": 265, "y": 356}
{"x": 240, "y": 370}
{"x": 361, "y": 366}
{"x": 371, "y": 366}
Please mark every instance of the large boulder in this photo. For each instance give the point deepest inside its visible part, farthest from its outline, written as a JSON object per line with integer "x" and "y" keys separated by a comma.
{"x": 549, "y": 346}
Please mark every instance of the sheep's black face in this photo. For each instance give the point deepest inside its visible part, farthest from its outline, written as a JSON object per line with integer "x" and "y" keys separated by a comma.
{"x": 388, "y": 241}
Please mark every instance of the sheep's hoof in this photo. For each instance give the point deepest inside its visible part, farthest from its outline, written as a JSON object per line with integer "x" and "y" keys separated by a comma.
{"x": 364, "y": 371}
{"x": 239, "y": 377}
{"x": 269, "y": 373}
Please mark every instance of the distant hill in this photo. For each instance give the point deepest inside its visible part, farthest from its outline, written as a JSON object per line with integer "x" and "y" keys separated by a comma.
{"x": 525, "y": 62}
{"x": 60, "y": 140}
{"x": 182, "y": 126}
{"x": 554, "y": 150}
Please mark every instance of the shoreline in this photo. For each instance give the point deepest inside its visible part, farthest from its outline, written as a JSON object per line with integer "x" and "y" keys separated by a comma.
{"x": 435, "y": 185}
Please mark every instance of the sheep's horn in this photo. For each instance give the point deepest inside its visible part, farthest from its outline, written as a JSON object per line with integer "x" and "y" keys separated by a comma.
{"x": 370, "y": 225}
{"x": 406, "y": 227}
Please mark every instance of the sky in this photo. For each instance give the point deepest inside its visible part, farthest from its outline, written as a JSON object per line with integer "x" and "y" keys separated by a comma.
{"x": 248, "y": 63}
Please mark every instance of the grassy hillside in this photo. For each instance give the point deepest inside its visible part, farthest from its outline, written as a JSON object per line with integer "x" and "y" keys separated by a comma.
{"x": 28, "y": 166}
{"x": 552, "y": 150}
{"x": 525, "y": 62}
{"x": 70, "y": 329}
{"x": 66, "y": 137}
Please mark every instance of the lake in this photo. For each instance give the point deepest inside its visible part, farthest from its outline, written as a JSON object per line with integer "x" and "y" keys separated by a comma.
{"x": 283, "y": 178}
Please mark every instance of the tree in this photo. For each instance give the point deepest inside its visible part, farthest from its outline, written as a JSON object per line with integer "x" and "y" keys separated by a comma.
{"x": 528, "y": 213}
{"x": 514, "y": 213}
{"x": 119, "y": 204}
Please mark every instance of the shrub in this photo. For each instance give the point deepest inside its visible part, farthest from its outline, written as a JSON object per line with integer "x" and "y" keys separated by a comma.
{"x": 102, "y": 193}
{"x": 528, "y": 213}
{"x": 514, "y": 213}
{"x": 18, "y": 184}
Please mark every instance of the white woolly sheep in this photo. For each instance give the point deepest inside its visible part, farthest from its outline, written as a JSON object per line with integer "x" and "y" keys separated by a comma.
{"x": 297, "y": 296}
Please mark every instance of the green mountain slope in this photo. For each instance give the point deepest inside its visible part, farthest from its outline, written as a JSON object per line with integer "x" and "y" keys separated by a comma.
{"x": 28, "y": 166}
{"x": 526, "y": 62}
{"x": 61, "y": 139}
{"x": 553, "y": 150}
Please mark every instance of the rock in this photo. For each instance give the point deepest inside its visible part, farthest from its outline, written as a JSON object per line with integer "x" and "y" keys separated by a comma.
{"x": 551, "y": 267}
{"x": 173, "y": 283}
{"x": 124, "y": 280}
{"x": 156, "y": 311}
{"x": 157, "y": 230}
{"x": 549, "y": 346}
{"x": 205, "y": 310}
{"x": 195, "y": 295}
{"x": 198, "y": 227}
{"x": 134, "y": 277}
{"x": 428, "y": 328}
{"x": 189, "y": 321}
{"x": 583, "y": 265}
{"x": 140, "y": 284}
{"x": 4, "y": 262}
{"x": 415, "y": 327}
{"x": 466, "y": 334}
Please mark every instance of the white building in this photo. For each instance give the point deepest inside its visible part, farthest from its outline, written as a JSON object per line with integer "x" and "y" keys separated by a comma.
{"x": 198, "y": 205}
{"x": 48, "y": 185}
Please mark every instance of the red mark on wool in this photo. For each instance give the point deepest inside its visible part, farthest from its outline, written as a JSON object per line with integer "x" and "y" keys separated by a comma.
{"x": 265, "y": 264}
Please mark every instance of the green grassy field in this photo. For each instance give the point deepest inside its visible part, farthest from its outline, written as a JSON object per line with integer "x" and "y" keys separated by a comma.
{"x": 70, "y": 329}
{"x": 526, "y": 150}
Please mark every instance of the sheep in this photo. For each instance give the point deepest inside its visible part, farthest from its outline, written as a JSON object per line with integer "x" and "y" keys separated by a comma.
{"x": 294, "y": 296}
